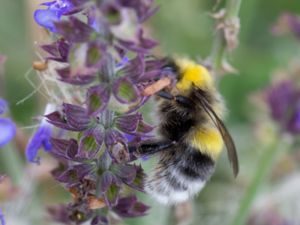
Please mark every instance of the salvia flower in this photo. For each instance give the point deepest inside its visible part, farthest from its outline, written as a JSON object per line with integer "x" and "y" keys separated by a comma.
{"x": 54, "y": 11}
{"x": 7, "y": 126}
{"x": 283, "y": 99}
{"x": 40, "y": 139}
{"x": 103, "y": 72}
{"x": 287, "y": 22}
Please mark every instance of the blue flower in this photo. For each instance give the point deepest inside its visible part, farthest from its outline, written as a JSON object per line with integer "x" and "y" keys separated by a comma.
{"x": 40, "y": 139}
{"x": 7, "y": 127}
{"x": 7, "y": 131}
{"x": 56, "y": 9}
{"x": 3, "y": 106}
{"x": 2, "y": 220}
{"x": 123, "y": 62}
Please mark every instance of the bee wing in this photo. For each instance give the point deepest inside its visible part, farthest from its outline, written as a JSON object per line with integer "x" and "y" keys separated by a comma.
{"x": 229, "y": 143}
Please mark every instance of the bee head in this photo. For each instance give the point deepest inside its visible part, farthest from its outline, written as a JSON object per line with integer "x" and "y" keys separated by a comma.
{"x": 191, "y": 74}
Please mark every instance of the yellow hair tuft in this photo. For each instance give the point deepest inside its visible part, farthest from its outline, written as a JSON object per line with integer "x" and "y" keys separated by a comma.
{"x": 209, "y": 142}
{"x": 192, "y": 74}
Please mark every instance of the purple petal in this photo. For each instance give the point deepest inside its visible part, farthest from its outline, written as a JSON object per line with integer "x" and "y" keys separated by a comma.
{"x": 94, "y": 53}
{"x": 112, "y": 137}
{"x": 7, "y": 131}
{"x": 2, "y": 220}
{"x": 138, "y": 182}
{"x": 40, "y": 139}
{"x": 58, "y": 50}
{"x": 63, "y": 6}
{"x": 97, "y": 98}
{"x": 128, "y": 123}
{"x": 144, "y": 42}
{"x": 135, "y": 68}
{"x": 49, "y": 3}
{"x": 58, "y": 120}
{"x": 130, "y": 207}
{"x": 74, "y": 174}
{"x": 293, "y": 124}
{"x": 143, "y": 9}
{"x": 126, "y": 172}
{"x": 3, "y": 106}
{"x": 88, "y": 147}
{"x": 106, "y": 181}
{"x": 123, "y": 62}
{"x": 100, "y": 220}
{"x": 76, "y": 117}
{"x": 77, "y": 79}
{"x": 66, "y": 149}
{"x": 280, "y": 98}
{"x": 98, "y": 134}
{"x": 144, "y": 127}
{"x": 46, "y": 18}
{"x": 294, "y": 23}
{"x": 111, "y": 11}
{"x": 125, "y": 91}
{"x": 74, "y": 30}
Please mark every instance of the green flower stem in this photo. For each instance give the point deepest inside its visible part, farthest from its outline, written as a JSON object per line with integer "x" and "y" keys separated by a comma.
{"x": 232, "y": 8}
{"x": 219, "y": 44}
{"x": 12, "y": 163}
{"x": 263, "y": 167}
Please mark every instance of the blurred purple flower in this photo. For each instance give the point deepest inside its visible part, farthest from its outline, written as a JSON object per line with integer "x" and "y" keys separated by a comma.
{"x": 2, "y": 220}
{"x": 7, "y": 127}
{"x": 3, "y": 106}
{"x": 283, "y": 100}
{"x": 7, "y": 131}
{"x": 55, "y": 10}
{"x": 40, "y": 139}
{"x": 287, "y": 22}
{"x": 294, "y": 24}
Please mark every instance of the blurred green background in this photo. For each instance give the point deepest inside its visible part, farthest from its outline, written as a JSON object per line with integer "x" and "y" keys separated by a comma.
{"x": 182, "y": 28}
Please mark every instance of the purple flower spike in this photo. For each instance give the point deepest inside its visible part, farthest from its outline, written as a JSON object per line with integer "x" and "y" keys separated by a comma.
{"x": 280, "y": 98}
{"x": 40, "y": 139}
{"x": 47, "y": 17}
{"x": 7, "y": 131}
{"x": 284, "y": 104}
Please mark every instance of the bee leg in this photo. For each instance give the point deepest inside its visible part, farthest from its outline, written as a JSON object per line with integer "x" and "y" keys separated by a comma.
{"x": 165, "y": 95}
{"x": 180, "y": 99}
{"x": 150, "y": 148}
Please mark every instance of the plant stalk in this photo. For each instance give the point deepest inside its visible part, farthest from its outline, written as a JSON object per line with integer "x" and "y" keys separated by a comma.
{"x": 263, "y": 168}
{"x": 219, "y": 46}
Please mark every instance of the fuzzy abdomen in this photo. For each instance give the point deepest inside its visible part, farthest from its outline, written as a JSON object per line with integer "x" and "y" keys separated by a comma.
{"x": 180, "y": 174}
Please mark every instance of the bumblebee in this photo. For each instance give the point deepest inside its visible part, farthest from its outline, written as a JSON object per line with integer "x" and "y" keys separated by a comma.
{"x": 191, "y": 133}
